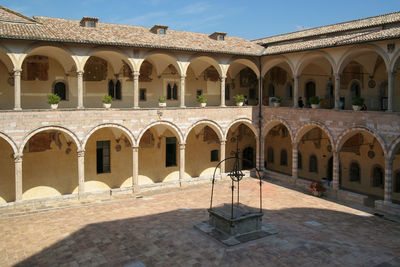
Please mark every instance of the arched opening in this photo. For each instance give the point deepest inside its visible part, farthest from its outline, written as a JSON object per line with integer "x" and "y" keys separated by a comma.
{"x": 242, "y": 136}
{"x": 60, "y": 89}
{"x": 316, "y": 150}
{"x": 396, "y": 175}
{"x": 50, "y": 165}
{"x": 7, "y": 177}
{"x": 248, "y": 158}
{"x": 278, "y": 140}
{"x": 202, "y": 152}
{"x": 278, "y": 83}
{"x": 159, "y": 155}
{"x": 6, "y": 83}
{"x": 108, "y": 160}
{"x": 310, "y": 91}
{"x": 361, "y": 156}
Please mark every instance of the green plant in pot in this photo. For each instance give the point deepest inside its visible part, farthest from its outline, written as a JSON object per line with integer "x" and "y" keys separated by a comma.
{"x": 107, "y": 99}
{"x": 314, "y": 101}
{"x": 53, "y": 100}
{"x": 239, "y": 99}
{"x": 202, "y": 99}
{"x": 162, "y": 101}
{"x": 357, "y": 102}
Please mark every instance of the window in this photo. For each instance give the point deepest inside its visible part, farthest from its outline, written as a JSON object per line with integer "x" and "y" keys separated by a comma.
{"x": 214, "y": 155}
{"x": 91, "y": 24}
{"x": 60, "y": 90}
{"x": 377, "y": 177}
{"x": 199, "y": 92}
{"x": 114, "y": 89}
{"x": 396, "y": 188}
{"x": 142, "y": 94}
{"x": 355, "y": 172}
{"x": 170, "y": 151}
{"x": 221, "y": 37}
{"x": 103, "y": 156}
{"x": 252, "y": 93}
{"x": 271, "y": 90}
{"x": 289, "y": 90}
{"x": 270, "y": 155}
{"x": 283, "y": 157}
{"x": 313, "y": 164}
{"x": 227, "y": 92}
{"x": 161, "y": 31}
{"x": 172, "y": 92}
{"x": 355, "y": 89}
{"x": 299, "y": 161}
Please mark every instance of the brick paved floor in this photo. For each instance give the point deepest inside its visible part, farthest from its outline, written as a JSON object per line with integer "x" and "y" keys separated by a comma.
{"x": 157, "y": 230}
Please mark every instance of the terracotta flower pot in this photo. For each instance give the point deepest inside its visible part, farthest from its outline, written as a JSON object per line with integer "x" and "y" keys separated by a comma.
{"x": 317, "y": 193}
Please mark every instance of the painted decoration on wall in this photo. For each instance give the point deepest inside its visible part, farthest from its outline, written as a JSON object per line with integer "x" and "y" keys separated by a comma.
{"x": 278, "y": 75}
{"x": 353, "y": 71}
{"x": 248, "y": 78}
{"x": 147, "y": 139}
{"x": 353, "y": 144}
{"x": 95, "y": 69}
{"x": 35, "y": 67}
{"x": 127, "y": 72}
{"x": 211, "y": 74}
{"x": 42, "y": 141}
{"x": 209, "y": 135}
{"x": 145, "y": 72}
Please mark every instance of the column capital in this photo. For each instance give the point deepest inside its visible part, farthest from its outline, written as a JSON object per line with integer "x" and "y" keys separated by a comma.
{"x": 182, "y": 146}
{"x": 222, "y": 142}
{"x": 337, "y": 75}
{"x": 295, "y": 145}
{"x": 135, "y": 73}
{"x": 222, "y": 77}
{"x": 81, "y": 153}
{"x": 17, "y": 71}
{"x": 391, "y": 72}
{"x": 17, "y": 157}
{"x": 135, "y": 148}
{"x": 80, "y": 72}
{"x": 183, "y": 76}
{"x": 296, "y": 77}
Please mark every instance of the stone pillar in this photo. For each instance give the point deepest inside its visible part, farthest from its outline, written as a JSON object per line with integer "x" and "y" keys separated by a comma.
{"x": 388, "y": 181}
{"x": 336, "y": 170}
{"x": 390, "y": 90}
{"x": 135, "y": 172}
{"x": 80, "y": 89}
{"x": 295, "y": 161}
{"x": 81, "y": 173}
{"x": 183, "y": 77}
{"x": 337, "y": 91}
{"x": 223, "y": 78}
{"x": 136, "y": 89}
{"x": 222, "y": 157}
{"x": 18, "y": 176}
{"x": 296, "y": 92}
{"x": 262, "y": 153}
{"x": 17, "y": 89}
{"x": 181, "y": 161}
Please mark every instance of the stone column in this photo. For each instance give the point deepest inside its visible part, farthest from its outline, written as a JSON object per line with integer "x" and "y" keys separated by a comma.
{"x": 388, "y": 181}
{"x": 136, "y": 89}
{"x": 390, "y": 90}
{"x": 222, "y": 157}
{"x": 182, "y": 105}
{"x": 81, "y": 173}
{"x": 181, "y": 161}
{"x": 337, "y": 91}
{"x": 295, "y": 161}
{"x": 17, "y": 89}
{"x": 223, "y": 78}
{"x": 135, "y": 172}
{"x": 296, "y": 92}
{"x": 18, "y": 176}
{"x": 262, "y": 153}
{"x": 336, "y": 170}
{"x": 80, "y": 89}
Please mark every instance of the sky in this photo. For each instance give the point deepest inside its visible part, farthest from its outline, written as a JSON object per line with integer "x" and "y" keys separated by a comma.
{"x": 247, "y": 19}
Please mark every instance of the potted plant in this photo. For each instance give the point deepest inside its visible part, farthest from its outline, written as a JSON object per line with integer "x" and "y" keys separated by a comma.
{"x": 314, "y": 101}
{"x": 53, "y": 100}
{"x": 317, "y": 189}
{"x": 162, "y": 101}
{"x": 107, "y": 99}
{"x": 239, "y": 99}
{"x": 357, "y": 102}
{"x": 276, "y": 101}
{"x": 202, "y": 99}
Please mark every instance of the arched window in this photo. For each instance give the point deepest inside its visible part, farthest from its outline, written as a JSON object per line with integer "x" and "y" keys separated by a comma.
{"x": 289, "y": 90}
{"x": 271, "y": 90}
{"x": 313, "y": 164}
{"x": 270, "y": 155}
{"x": 283, "y": 157}
{"x": 299, "y": 161}
{"x": 377, "y": 176}
{"x": 172, "y": 91}
{"x": 114, "y": 89}
{"x": 60, "y": 89}
{"x": 355, "y": 89}
{"x": 396, "y": 179}
{"x": 310, "y": 90}
{"x": 111, "y": 88}
{"x": 118, "y": 90}
{"x": 355, "y": 172}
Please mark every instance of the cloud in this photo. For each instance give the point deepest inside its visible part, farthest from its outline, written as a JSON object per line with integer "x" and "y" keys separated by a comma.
{"x": 301, "y": 27}
{"x": 195, "y": 8}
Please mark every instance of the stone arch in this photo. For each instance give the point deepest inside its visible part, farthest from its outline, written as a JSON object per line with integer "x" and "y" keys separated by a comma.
{"x": 10, "y": 141}
{"x": 303, "y": 129}
{"x": 309, "y": 57}
{"x": 61, "y": 54}
{"x": 210, "y": 61}
{"x": 246, "y": 122}
{"x": 49, "y": 128}
{"x": 274, "y": 122}
{"x": 393, "y": 148}
{"x": 110, "y": 125}
{"x": 170, "y": 125}
{"x": 8, "y": 59}
{"x": 169, "y": 57}
{"x": 395, "y": 63}
{"x": 115, "y": 54}
{"x": 355, "y": 51}
{"x": 270, "y": 63}
{"x": 359, "y": 128}
{"x": 247, "y": 63}
{"x": 215, "y": 126}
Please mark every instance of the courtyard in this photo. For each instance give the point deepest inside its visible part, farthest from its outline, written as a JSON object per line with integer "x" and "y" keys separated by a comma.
{"x": 156, "y": 229}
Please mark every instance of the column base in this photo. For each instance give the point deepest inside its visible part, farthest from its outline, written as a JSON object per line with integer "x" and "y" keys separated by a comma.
{"x": 17, "y": 108}
{"x": 80, "y": 107}
{"x": 222, "y": 106}
{"x": 182, "y": 106}
{"x": 136, "y": 107}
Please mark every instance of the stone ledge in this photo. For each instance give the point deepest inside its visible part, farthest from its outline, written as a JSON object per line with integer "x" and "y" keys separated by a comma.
{"x": 351, "y": 197}
{"x": 390, "y": 208}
